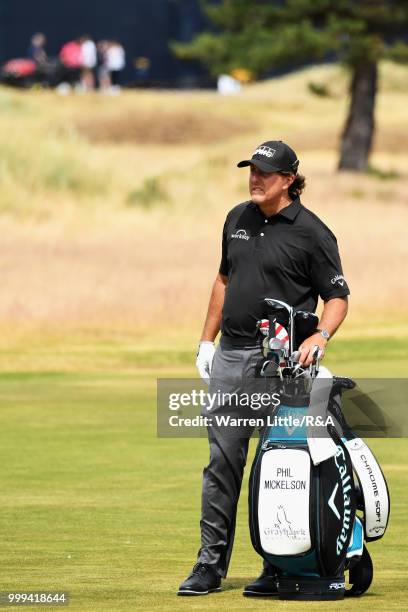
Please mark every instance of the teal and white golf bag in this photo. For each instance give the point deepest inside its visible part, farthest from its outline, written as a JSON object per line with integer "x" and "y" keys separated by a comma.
{"x": 315, "y": 498}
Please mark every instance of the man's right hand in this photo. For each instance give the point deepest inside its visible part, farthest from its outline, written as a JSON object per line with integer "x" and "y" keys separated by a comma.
{"x": 205, "y": 356}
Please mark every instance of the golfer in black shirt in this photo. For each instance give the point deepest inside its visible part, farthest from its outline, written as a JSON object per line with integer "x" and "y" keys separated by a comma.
{"x": 272, "y": 246}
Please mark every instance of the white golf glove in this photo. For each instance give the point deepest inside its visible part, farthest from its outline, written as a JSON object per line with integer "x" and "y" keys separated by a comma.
{"x": 205, "y": 356}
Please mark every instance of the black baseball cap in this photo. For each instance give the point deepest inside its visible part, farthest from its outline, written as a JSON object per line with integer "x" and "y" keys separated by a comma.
{"x": 273, "y": 156}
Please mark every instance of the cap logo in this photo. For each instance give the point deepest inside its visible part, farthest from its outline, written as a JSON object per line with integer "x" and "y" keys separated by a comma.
{"x": 267, "y": 151}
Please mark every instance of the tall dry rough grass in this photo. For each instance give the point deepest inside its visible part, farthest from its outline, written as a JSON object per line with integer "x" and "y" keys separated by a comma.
{"x": 110, "y": 225}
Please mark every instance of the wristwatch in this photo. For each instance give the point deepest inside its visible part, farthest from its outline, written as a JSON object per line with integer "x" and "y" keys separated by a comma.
{"x": 324, "y": 333}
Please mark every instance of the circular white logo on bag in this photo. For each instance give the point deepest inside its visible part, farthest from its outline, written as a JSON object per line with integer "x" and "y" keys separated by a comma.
{"x": 356, "y": 444}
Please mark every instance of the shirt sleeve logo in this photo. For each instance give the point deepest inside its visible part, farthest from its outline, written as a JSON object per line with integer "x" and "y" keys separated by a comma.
{"x": 241, "y": 233}
{"x": 267, "y": 151}
{"x": 339, "y": 278}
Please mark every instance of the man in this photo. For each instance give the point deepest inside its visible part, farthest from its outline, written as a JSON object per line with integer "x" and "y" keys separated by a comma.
{"x": 36, "y": 50}
{"x": 272, "y": 247}
{"x": 88, "y": 63}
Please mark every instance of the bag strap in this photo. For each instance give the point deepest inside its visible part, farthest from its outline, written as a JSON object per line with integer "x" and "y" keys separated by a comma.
{"x": 373, "y": 485}
{"x": 360, "y": 575}
{"x": 373, "y": 488}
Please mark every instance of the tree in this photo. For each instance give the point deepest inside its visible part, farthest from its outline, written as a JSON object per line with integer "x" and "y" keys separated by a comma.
{"x": 262, "y": 34}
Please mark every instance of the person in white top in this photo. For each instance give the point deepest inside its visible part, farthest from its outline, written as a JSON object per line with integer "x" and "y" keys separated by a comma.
{"x": 115, "y": 61}
{"x": 89, "y": 60}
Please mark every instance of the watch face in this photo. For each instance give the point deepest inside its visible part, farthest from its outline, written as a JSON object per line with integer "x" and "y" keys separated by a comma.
{"x": 325, "y": 334}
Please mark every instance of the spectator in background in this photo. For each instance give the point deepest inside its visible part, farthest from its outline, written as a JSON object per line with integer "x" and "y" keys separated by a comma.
{"x": 89, "y": 61}
{"x": 115, "y": 63}
{"x": 45, "y": 69}
{"x": 36, "y": 50}
{"x": 71, "y": 63}
{"x": 142, "y": 71}
{"x": 103, "y": 72}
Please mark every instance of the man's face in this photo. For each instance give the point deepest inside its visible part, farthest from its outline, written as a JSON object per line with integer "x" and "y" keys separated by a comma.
{"x": 267, "y": 187}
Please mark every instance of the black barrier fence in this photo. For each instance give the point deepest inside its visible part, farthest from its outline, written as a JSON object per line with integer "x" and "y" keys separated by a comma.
{"x": 143, "y": 27}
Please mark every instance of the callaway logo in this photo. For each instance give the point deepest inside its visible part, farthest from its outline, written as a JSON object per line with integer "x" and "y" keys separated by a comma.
{"x": 267, "y": 151}
{"x": 292, "y": 414}
{"x": 344, "y": 537}
{"x": 241, "y": 233}
{"x": 331, "y": 503}
{"x": 356, "y": 444}
{"x": 339, "y": 278}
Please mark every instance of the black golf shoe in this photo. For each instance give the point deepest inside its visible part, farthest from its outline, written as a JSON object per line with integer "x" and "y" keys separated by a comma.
{"x": 264, "y": 585}
{"x": 202, "y": 580}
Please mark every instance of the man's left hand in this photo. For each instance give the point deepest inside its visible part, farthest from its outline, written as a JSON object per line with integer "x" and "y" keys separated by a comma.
{"x": 308, "y": 349}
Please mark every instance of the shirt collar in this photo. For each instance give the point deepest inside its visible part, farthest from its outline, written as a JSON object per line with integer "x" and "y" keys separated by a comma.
{"x": 290, "y": 212}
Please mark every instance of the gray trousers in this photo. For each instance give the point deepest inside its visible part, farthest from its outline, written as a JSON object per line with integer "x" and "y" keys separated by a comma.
{"x": 233, "y": 371}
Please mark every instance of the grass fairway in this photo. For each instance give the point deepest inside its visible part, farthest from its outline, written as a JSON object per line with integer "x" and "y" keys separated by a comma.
{"x": 94, "y": 504}
{"x": 111, "y": 213}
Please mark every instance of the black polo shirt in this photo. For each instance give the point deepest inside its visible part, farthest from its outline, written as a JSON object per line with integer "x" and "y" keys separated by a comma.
{"x": 291, "y": 256}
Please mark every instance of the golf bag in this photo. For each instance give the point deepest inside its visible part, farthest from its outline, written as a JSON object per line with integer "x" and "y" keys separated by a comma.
{"x": 314, "y": 501}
